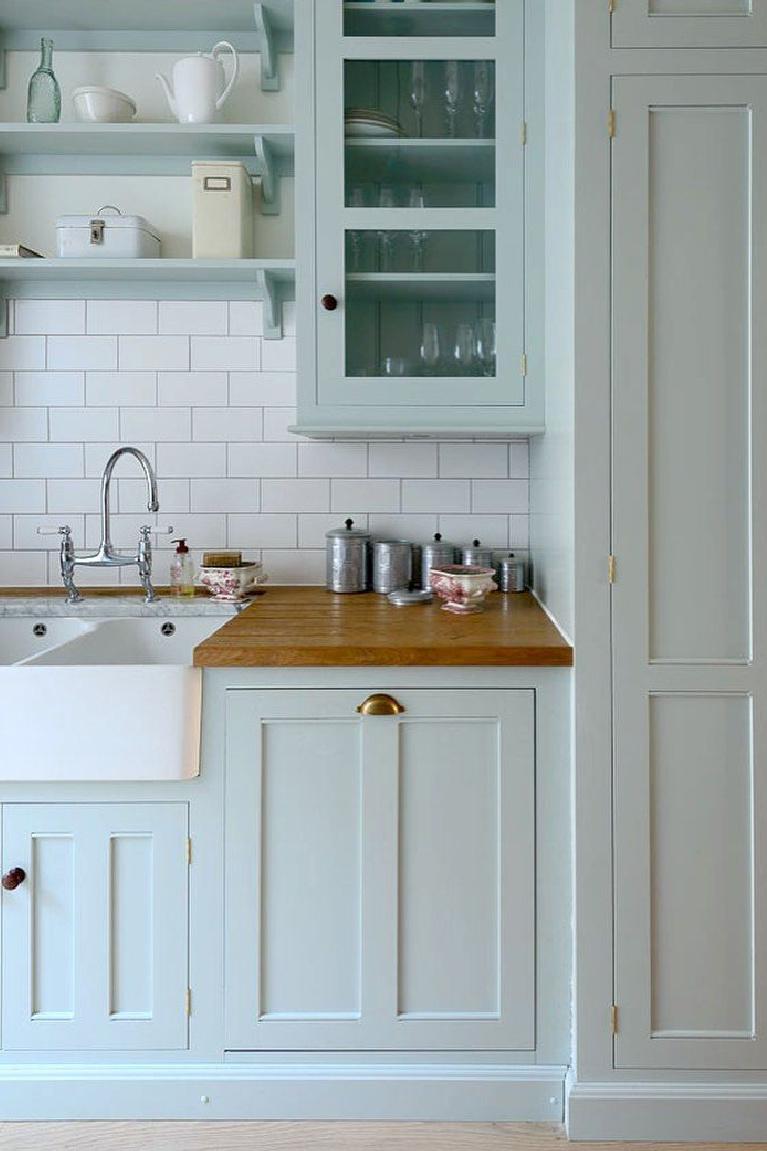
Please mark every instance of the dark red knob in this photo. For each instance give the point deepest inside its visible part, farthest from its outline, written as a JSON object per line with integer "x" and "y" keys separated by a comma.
{"x": 13, "y": 878}
{"x": 329, "y": 303}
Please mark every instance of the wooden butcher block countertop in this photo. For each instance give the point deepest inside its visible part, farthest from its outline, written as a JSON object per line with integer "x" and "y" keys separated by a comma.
{"x": 311, "y": 627}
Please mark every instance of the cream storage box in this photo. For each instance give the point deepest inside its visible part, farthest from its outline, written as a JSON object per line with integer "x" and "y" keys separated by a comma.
{"x": 222, "y": 211}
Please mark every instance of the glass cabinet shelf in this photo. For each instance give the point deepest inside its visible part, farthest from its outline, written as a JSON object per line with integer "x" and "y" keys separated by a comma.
{"x": 422, "y": 286}
{"x": 420, "y": 161}
{"x": 419, "y": 18}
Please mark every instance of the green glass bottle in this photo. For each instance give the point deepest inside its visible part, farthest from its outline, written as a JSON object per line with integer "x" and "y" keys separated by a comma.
{"x": 44, "y": 94}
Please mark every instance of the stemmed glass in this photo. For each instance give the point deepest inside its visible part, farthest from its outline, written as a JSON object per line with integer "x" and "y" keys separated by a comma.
{"x": 418, "y": 236}
{"x": 431, "y": 349}
{"x": 485, "y": 346}
{"x": 418, "y": 93}
{"x": 484, "y": 90}
{"x": 453, "y": 94}
{"x": 386, "y": 199}
{"x": 463, "y": 351}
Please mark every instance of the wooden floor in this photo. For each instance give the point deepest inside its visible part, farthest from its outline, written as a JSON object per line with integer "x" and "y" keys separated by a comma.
{"x": 311, "y": 1136}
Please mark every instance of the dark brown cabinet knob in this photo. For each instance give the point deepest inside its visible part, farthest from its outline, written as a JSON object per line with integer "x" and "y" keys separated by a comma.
{"x": 13, "y": 878}
{"x": 329, "y": 303}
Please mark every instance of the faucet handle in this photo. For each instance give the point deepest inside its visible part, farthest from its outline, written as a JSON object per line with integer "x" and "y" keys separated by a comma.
{"x": 151, "y": 530}
{"x": 64, "y": 530}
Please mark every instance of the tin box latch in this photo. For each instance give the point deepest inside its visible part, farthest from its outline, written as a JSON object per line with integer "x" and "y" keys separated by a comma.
{"x": 97, "y": 231}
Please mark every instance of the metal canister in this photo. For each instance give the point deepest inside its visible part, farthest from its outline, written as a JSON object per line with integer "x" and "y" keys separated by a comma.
{"x": 347, "y": 550}
{"x": 512, "y": 573}
{"x": 435, "y": 554}
{"x": 392, "y": 565}
{"x": 477, "y": 556}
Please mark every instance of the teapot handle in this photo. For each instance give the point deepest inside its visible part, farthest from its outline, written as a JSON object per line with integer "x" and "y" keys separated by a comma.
{"x": 224, "y": 45}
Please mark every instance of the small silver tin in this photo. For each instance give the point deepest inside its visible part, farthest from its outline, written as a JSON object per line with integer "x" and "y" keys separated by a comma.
{"x": 512, "y": 573}
{"x": 403, "y": 597}
{"x": 392, "y": 565}
{"x": 435, "y": 554}
{"x": 477, "y": 556}
{"x": 347, "y": 552}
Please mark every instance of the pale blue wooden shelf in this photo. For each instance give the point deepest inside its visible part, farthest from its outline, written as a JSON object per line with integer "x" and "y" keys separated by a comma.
{"x": 272, "y": 281}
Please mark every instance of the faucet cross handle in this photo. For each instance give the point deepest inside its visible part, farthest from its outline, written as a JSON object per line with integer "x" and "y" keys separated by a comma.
{"x": 145, "y": 556}
{"x": 64, "y": 530}
{"x": 66, "y": 558}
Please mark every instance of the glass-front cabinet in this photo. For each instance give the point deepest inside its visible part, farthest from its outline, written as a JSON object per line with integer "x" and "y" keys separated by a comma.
{"x": 418, "y": 309}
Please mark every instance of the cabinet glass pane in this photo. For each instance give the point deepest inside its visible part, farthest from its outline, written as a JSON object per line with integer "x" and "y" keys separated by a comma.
{"x": 419, "y": 18}
{"x": 420, "y": 303}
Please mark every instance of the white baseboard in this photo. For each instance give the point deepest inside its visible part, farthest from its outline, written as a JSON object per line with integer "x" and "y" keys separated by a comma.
{"x": 414, "y": 1091}
{"x": 668, "y": 1112}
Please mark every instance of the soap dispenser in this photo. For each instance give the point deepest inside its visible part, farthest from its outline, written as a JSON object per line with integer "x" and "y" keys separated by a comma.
{"x": 182, "y": 571}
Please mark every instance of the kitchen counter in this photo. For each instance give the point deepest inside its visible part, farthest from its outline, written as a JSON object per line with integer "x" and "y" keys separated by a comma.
{"x": 311, "y": 627}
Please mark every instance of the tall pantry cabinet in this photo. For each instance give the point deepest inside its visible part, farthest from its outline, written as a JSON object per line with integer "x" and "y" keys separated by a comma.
{"x": 677, "y": 156}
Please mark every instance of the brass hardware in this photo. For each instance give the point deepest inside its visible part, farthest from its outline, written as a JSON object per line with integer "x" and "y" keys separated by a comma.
{"x": 188, "y": 1001}
{"x": 611, "y": 123}
{"x": 380, "y": 704}
{"x": 611, "y": 6}
{"x": 523, "y": 364}
{"x": 524, "y": 132}
{"x": 188, "y": 850}
{"x": 611, "y": 569}
{"x": 614, "y": 1018}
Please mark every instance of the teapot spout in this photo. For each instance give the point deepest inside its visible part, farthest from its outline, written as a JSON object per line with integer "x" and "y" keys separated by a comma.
{"x": 169, "y": 96}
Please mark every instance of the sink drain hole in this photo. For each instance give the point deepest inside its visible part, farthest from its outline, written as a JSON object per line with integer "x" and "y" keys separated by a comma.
{"x": 168, "y": 629}
{"x": 39, "y": 630}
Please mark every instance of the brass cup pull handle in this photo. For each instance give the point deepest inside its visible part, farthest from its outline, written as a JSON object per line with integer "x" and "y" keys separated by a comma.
{"x": 380, "y": 704}
{"x": 13, "y": 878}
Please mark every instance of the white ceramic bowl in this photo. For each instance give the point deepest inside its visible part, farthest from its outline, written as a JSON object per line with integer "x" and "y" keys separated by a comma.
{"x": 98, "y": 105}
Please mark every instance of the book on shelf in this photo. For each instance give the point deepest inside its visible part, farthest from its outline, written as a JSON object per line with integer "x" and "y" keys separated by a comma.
{"x": 18, "y": 252}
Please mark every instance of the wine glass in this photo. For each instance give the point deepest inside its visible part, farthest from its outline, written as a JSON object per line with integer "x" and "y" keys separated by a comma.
{"x": 431, "y": 349}
{"x": 484, "y": 90}
{"x": 418, "y": 236}
{"x": 485, "y": 346}
{"x": 386, "y": 199}
{"x": 357, "y": 199}
{"x": 463, "y": 350}
{"x": 419, "y": 92}
{"x": 453, "y": 94}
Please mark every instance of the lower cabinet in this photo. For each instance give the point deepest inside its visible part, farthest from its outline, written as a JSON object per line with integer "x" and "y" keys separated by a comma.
{"x": 380, "y": 871}
{"x": 94, "y": 939}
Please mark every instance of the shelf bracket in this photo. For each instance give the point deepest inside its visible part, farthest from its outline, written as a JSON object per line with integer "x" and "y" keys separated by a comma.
{"x": 270, "y": 183}
{"x": 270, "y": 76}
{"x": 3, "y": 190}
{"x": 3, "y": 61}
{"x": 5, "y": 305}
{"x": 272, "y": 306}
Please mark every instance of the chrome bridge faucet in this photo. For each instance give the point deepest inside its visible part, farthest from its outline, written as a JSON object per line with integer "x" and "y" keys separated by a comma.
{"x": 106, "y": 556}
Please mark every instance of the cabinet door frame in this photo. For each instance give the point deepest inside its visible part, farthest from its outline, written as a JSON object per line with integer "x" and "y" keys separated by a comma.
{"x": 380, "y": 1025}
{"x": 638, "y": 677}
{"x": 634, "y": 26}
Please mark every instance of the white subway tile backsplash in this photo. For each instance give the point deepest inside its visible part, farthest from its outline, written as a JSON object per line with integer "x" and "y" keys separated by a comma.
{"x": 300, "y": 566}
{"x": 49, "y": 461}
{"x": 259, "y": 531}
{"x": 295, "y": 495}
{"x": 509, "y": 496}
{"x": 313, "y": 528}
{"x": 225, "y": 495}
{"x": 6, "y": 460}
{"x": 6, "y": 532}
{"x": 289, "y": 318}
{"x": 436, "y": 496}
{"x": 246, "y": 318}
{"x": 121, "y": 389}
{"x": 200, "y": 530}
{"x": 50, "y": 389}
{"x": 6, "y": 389}
{"x": 519, "y": 460}
{"x": 192, "y": 388}
{"x": 226, "y": 353}
{"x": 23, "y": 569}
{"x": 418, "y": 529}
{"x": 19, "y": 424}
{"x": 332, "y": 459}
{"x": 83, "y": 424}
{"x": 400, "y": 460}
{"x": 230, "y": 424}
{"x": 192, "y": 460}
{"x": 22, "y": 495}
{"x": 156, "y": 424}
{"x": 276, "y": 424}
{"x": 492, "y": 531}
{"x": 262, "y": 389}
{"x": 194, "y": 317}
{"x": 23, "y": 353}
{"x": 122, "y": 317}
{"x": 373, "y": 495}
{"x": 174, "y": 495}
{"x": 470, "y": 461}
{"x": 519, "y": 531}
{"x": 49, "y": 317}
{"x": 97, "y": 454}
{"x": 279, "y": 355}
{"x": 154, "y": 353}
{"x": 77, "y": 353}
{"x": 72, "y": 497}
{"x": 262, "y": 460}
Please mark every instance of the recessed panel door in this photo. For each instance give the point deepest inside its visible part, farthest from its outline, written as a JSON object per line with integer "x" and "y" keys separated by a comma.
{"x": 689, "y": 24}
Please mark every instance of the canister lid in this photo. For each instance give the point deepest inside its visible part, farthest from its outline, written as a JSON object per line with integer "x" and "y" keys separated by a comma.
{"x": 405, "y": 597}
{"x": 437, "y": 542}
{"x": 348, "y": 532}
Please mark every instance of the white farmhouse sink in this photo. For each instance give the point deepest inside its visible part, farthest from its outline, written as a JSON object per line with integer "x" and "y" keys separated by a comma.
{"x": 112, "y": 699}
{"x": 18, "y": 639}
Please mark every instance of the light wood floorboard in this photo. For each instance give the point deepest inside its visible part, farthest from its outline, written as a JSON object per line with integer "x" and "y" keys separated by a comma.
{"x": 313, "y": 1137}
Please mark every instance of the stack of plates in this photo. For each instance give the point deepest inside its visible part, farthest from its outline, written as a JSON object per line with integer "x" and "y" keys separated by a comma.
{"x": 368, "y": 122}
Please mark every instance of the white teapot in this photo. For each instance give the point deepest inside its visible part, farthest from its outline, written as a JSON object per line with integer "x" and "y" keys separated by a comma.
{"x": 199, "y": 87}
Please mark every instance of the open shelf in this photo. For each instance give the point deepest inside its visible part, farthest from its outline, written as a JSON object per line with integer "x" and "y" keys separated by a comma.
{"x": 416, "y": 18}
{"x": 448, "y": 287}
{"x": 272, "y": 281}
{"x": 151, "y": 26}
{"x": 401, "y": 161}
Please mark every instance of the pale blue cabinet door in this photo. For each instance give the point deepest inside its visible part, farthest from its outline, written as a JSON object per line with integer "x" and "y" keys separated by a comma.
{"x": 94, "y": 947}
{"x": 689, "y": 226}
{"x": 689, "y": 24}
{"x": 380, "y": 872}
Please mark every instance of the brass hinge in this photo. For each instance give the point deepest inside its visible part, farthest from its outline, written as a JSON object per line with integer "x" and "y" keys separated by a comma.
{"x": 524, "y": 132}
{"x": 614, "y": 1018}
{"x": 188, "y": 850}
{"x": 611, "y": 568}
{"x": 611, "y": 123}
{"x": 611, "y": 6}
{"x": 523, "y": 364}
{"x": 188, "y": 1001}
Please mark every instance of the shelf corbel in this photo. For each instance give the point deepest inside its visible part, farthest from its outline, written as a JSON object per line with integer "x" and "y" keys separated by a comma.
{"x": 4, "y": 308}
{"x": 270, "y": 184}
{"x": 272, "y": 305}
{"x": 270, "y": 75}
{"x": 3, "y": 61}
{"x": 3, "y": 190}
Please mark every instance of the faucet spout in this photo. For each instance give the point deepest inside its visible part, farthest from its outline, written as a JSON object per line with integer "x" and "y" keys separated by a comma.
{"x": 153, "y": 503}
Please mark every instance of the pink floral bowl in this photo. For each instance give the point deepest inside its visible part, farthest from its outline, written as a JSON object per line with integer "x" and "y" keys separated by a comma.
{"x": 463, "y": 587}
{"x": 232, "y": 584}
